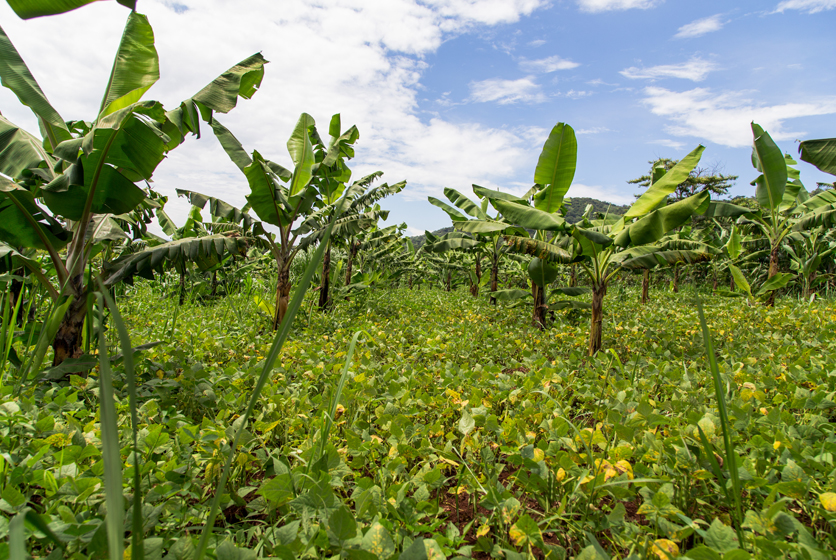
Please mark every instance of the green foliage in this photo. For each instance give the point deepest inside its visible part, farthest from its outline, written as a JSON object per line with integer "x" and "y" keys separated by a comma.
{"x": 451, "y": 437}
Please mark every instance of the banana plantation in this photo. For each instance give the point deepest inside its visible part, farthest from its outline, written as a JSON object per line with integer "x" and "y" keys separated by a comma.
{"x": 294, "y": 378}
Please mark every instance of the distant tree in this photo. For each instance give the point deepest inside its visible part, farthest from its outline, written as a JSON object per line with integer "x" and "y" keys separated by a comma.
{"x": 700, "y": 179}
{"x": 821, "y": 187}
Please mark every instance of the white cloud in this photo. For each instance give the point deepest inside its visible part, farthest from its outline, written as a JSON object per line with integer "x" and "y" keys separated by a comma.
{"x": 607, "y": 194}
{"x": 573, "y": 94}
{"x": 695, "y": 70}
{"x": 413, "y": 231}
{"x": 724, "y": 118}
{"x": 700, "y": 27}
{"x": 537, "y": 43}
{"x": 507, "y": 91}
{"x": 362, "y": 58}
{"x": 595, "y": 6}
{"x": 593, "y": 130}
{"x": 546, "y": 65}
{"x": 668, "y": 143}
{"x": 809, "y": 6}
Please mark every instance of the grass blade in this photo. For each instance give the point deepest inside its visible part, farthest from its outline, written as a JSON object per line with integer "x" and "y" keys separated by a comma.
{"x": 329, "y": 421}
{"x": 110, "y": 452}
{"x": 137, "y": 533}
{"x": 278, "y": 342}
{"x": 731, "y": 457}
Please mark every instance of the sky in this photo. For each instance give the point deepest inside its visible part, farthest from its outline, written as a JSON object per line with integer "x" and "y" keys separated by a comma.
{"x": 447, "y": 93}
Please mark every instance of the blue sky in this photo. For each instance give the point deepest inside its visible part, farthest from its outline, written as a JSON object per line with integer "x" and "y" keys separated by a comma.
{"x": 454, "y": 92}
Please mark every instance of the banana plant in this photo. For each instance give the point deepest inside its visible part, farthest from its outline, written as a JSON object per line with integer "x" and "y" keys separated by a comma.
{"x": 448, "y": 254}
{"x": 54, "y": 192}
{"x": 371, "y": 238}
{"x": 485, "y": 229}
{"x": 299, "y": 202}
{"x": 361, "y": 213}
{"x": 807, "y": 251}
{"x": 602, "y": 248}
{"x": 207, "y": 245}
{"x": 673, "y": 250}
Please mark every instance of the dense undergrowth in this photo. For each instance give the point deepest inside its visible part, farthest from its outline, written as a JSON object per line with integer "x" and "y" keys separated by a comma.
{"x": 460, "y": 431}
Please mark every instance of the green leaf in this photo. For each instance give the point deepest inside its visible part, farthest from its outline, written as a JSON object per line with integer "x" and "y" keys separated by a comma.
{"x": 466, "y": 423}
{"x": 492, "y": 195}
{"x": 525, "y": 532}
{"x": 25, "y": 224}
{"x": 378, "y": 541}
{"x": 658, "y": 223}
{"x": 416, "y": 551}
{"x": 541, "y": 272}
{"x": 665, "y": 186}
{"x": 821, "y": 153}
{"x": 217, "y": 208}
{"x": 778, "y": 281}
{"x": 702, "y": 553}
{"x": 771, "y": 184}
{"x": 733, "y": 245}
{"x": 556, "y": 168}
{"x": 28, "y": 9}
{"x": 301, "y": 152}
{"x": 13, "y": 496}
{"x": 538, "y": 248}
{"x": 720, "y": 537}
{"x": 136, "y": 67}
{"x": 461, "y": 201}
{"x": 242, "y": 80}
{"x": 792, "y": 488}
{"x": 266, "y": 198}
{"x": 454, "y": 214}
{"x": 528, "y": 217}
{"x": 342, "y": 524}
{"x": 740, "y": 280}
{"x": 231, "y": 145}
{"x": 21, "y": 152}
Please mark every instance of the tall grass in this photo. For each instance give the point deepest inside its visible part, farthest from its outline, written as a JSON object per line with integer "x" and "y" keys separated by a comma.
{"x": 733, "y": 496}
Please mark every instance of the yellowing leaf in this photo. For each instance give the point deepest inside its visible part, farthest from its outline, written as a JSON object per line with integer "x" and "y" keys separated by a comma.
{"x": 664, "y": 549}
{"x": 828, "y": 500}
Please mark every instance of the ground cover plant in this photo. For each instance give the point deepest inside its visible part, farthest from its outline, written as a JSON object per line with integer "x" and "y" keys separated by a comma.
{"x": 468, "y": 438}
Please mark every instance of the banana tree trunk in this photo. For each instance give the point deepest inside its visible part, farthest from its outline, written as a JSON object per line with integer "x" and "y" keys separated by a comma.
{"x": 352, "y": 252}
{"x": 538, "y": 318}
{"x": 714, "y": 287}
{"x": 731, "y": 282}
{"x": 68, "y": 338}
{"x": 773, "y": 270}
{"x": 214, "y": 284}
{"x": 494, "y": 277}
{"x": 573, "y": 276}
{"x": 675, "y": 279}
{"x": 596, "y": 326}
{"x": 645, "y": 285}
{"x": 325, "y": 284}
{"x": 808, "y": 285}
{"x": 474, "y": 288}
{"x": 410, "y": 281}
{"x": 449, "y": 282}
{"x": 182, "y": 285}
{"x": 282, "y": 296}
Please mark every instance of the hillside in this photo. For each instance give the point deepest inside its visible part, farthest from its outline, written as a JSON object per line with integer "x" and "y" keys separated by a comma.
{"x": 574, "y": 211}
